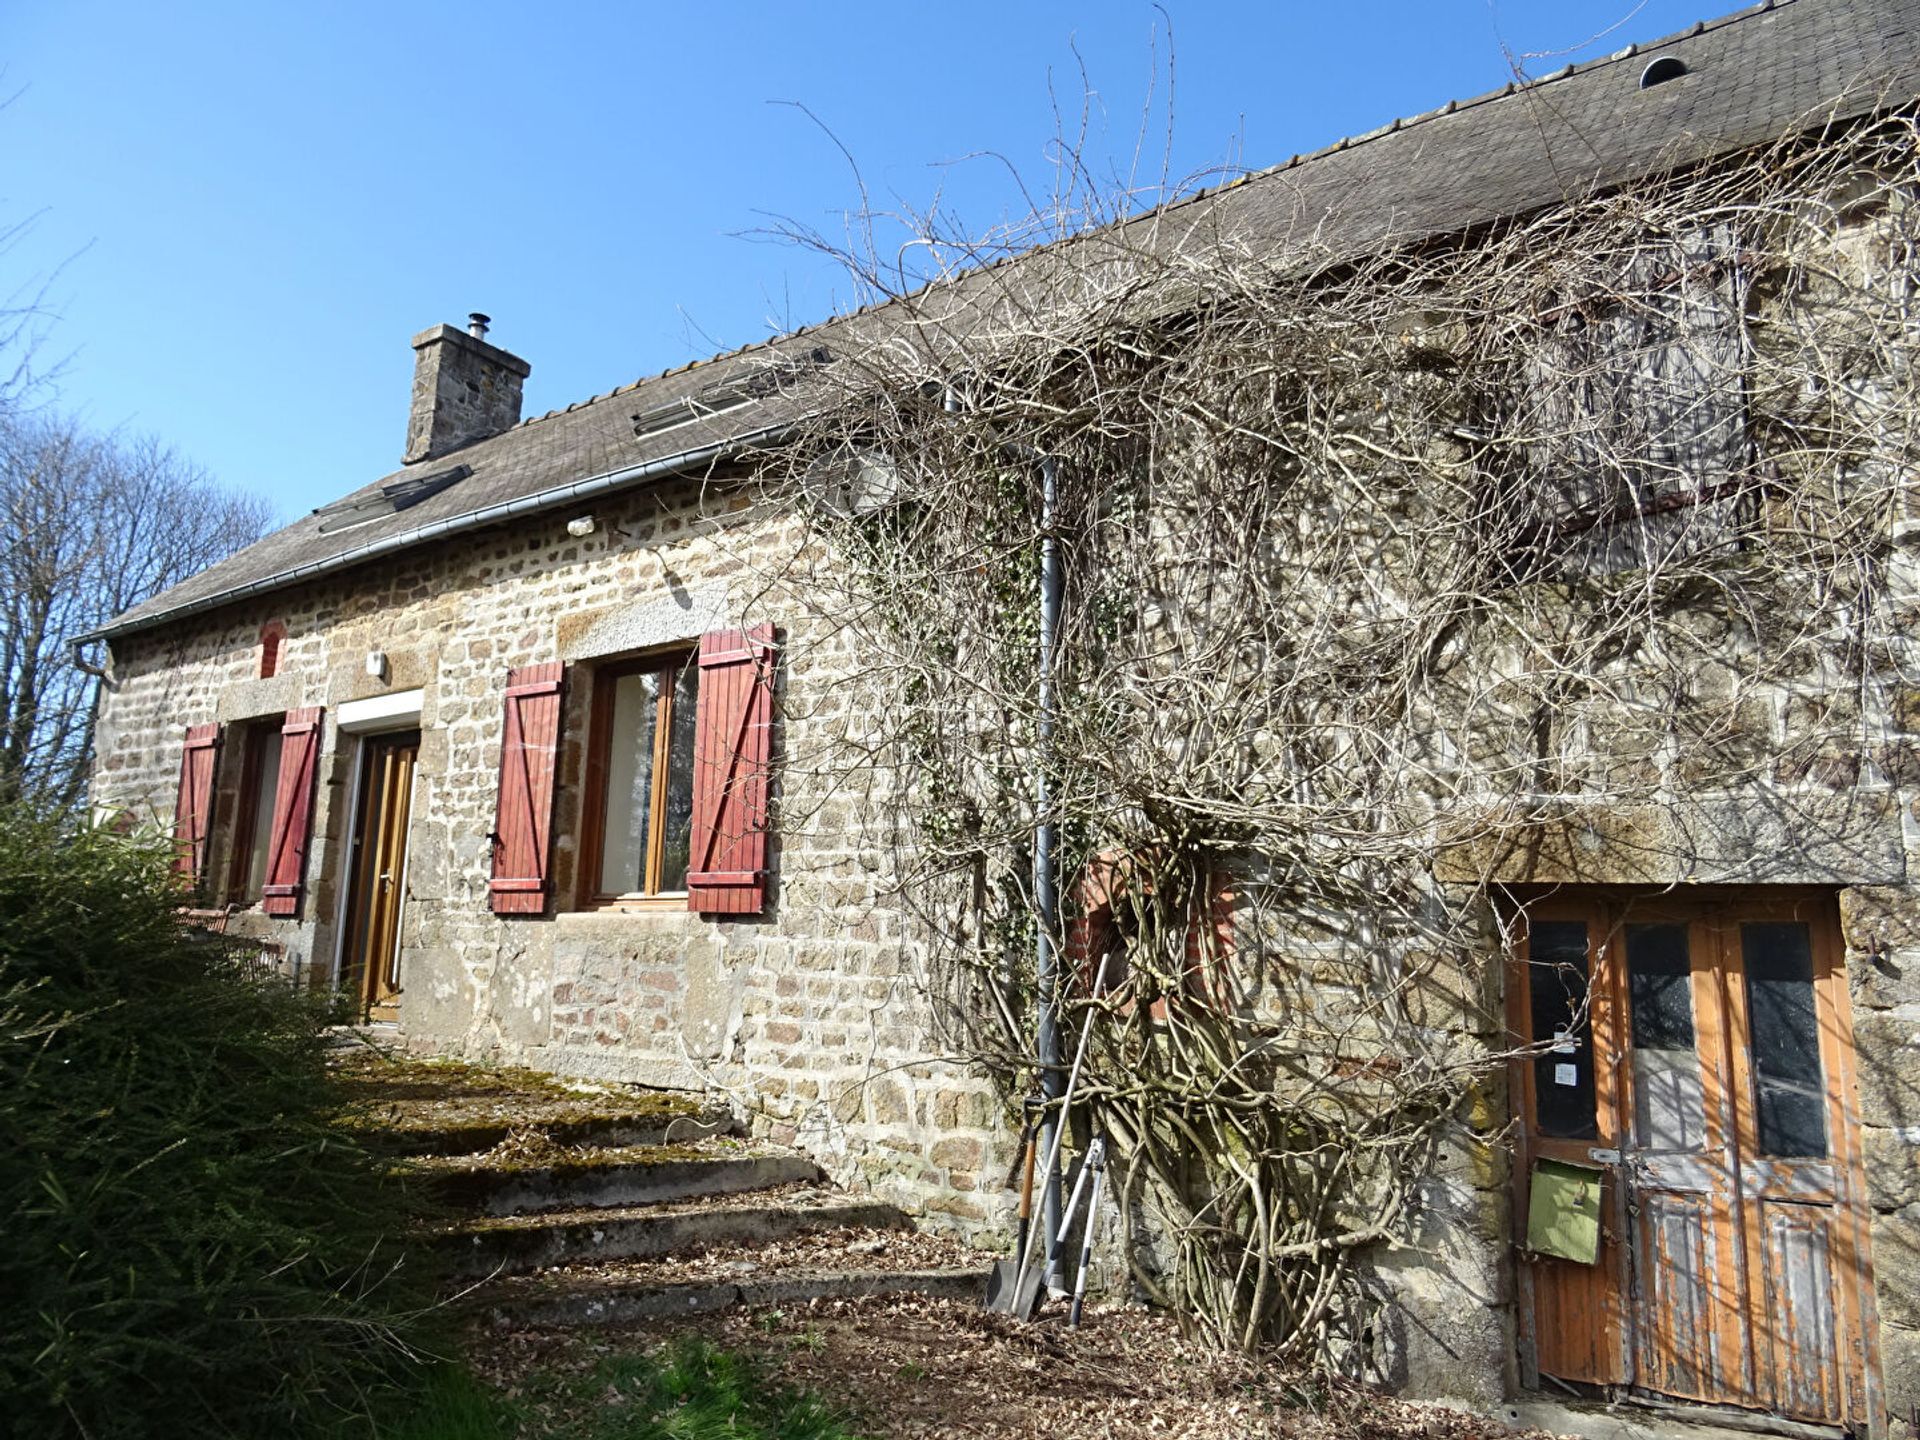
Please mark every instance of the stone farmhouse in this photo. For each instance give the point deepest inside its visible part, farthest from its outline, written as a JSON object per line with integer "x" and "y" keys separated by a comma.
{"x": 492, "y": 744}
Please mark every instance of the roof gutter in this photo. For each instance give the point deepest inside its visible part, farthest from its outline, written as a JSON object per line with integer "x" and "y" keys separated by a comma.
{"x": 452, "y": 525}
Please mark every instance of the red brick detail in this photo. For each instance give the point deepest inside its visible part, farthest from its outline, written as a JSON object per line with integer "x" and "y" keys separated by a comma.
{"x": 273, "y": 637}
{"x": 1091, "y": 933}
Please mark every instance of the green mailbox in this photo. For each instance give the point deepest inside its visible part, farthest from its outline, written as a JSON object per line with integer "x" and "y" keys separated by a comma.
{"x": 1563, "y": 1211}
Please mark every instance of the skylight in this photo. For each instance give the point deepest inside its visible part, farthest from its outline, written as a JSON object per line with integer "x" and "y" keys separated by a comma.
{"x": 389, "y": 499}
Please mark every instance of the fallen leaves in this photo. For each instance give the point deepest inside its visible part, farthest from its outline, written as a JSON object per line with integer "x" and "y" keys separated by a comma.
{"x": 913, "y": 1367}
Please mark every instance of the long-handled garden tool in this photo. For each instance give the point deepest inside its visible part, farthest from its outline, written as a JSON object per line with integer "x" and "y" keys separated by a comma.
{"x": 1003, "y": 1281}
{"x": 1023, "y": 1296}
{"x": 1097, "y": 1160}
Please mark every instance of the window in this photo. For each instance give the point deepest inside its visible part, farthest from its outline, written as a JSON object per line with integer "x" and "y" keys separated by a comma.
{"x": 639, "y": 817}
{"x": 1629, "y": 424}
{"x": 253, "y": 819}
{"x": 1790, "y": 1092}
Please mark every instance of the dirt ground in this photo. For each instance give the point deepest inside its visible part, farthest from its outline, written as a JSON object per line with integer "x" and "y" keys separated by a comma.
{"x": 914, "y": 1367}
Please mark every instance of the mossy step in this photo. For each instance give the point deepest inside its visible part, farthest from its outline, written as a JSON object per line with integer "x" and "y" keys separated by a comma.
{"x": 416, "y": 1105}
{"x": 560, "y": 1304}
{"x": 599, "y": 1180}
{"x": 470, "y": 1137}
{"x": 516, "y": 1244}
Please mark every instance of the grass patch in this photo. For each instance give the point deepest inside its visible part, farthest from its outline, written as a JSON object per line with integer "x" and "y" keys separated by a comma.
{"x": 685, "y": 1389}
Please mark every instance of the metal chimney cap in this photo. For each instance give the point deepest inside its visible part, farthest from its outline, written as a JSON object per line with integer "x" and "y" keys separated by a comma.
{"x": 477, "y": 324}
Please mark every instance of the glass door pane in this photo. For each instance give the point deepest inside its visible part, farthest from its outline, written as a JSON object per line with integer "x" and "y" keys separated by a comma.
{"x": 623, "y": 856}
{"x": 1669, "y": 1110}
{"x": 1790, "y": 1093}
{"x": 1557, "y": 992}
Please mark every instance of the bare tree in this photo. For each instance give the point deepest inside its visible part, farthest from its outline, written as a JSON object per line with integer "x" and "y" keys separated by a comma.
{"x": 1382, "y": 564}
{"x": 26, "y": 316}
{"x": 93, "y": 524}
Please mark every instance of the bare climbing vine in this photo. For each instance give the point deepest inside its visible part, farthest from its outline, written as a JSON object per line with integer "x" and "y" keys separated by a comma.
{"x": 1393, "y": 574}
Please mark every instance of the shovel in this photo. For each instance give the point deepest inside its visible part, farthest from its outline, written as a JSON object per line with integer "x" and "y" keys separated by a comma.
{"x": 1005, "y": 1281}
{"x": 1022, "y": 1295}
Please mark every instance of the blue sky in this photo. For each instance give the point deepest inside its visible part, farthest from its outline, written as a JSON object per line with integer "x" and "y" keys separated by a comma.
{"x": 252, "y": 206}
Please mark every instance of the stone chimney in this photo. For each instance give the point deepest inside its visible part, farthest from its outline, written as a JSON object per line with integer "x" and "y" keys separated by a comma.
{"x": 464, "y": 389}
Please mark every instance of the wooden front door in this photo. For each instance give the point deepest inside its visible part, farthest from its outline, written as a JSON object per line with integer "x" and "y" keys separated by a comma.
{"x": 378, "y": 868}
{"x": 1699, "y": 1057}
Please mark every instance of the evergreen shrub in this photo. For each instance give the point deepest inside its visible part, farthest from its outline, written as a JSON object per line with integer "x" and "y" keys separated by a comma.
{"x": 188, "y": 1243}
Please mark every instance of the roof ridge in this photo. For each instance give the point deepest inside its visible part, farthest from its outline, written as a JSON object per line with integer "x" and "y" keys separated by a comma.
{"x": 1204, "y": 192}
{"x": 1487, "y": 97}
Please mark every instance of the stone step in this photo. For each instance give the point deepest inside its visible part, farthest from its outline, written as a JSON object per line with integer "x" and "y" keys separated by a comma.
{"x": 516, "y": 1244}
{"x": 414, "y": 1105}
{"x": 557, "y": 1304}
{"x": 470, "y": 1137}
{"x": 624, "y": 1177}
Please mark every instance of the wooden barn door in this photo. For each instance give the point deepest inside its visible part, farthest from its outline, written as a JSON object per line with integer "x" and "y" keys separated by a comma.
{"x": 1692, "y": 1292}
{"x": 1800, "y": 1199}
{"x": 1701, "y": 1055}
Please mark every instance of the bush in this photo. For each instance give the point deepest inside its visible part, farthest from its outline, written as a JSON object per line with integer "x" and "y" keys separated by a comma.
{"x": 190, "y": 1246}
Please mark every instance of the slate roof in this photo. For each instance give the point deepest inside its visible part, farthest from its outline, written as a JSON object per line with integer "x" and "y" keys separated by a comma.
{"x": 1781, "y": 66}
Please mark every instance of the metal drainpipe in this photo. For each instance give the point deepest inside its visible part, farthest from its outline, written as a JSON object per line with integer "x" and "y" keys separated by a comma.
{"x": 1046, "y": 894}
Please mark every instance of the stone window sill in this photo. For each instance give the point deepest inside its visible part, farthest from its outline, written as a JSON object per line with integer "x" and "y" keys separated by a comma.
{"x": 670, "y": 915}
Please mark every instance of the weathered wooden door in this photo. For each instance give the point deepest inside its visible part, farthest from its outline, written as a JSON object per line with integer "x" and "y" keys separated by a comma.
{"x": 379, "y": 861}
{"x": 1699, "y": 1055}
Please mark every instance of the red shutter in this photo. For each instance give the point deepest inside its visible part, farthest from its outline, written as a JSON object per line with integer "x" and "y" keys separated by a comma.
{"x": 292, "y": 811}
{"x": 193, "y": 802}
{"x": 523, "y": 823}
{"x": 732, "y": 751}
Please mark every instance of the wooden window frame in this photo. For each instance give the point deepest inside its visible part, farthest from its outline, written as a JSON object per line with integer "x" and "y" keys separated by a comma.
{"x": 257, "y": 735}
{"x": 593, "y": 832}
{"x": 1553, "y": 539}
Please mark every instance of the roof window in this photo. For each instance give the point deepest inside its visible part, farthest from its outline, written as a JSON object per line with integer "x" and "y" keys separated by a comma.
{"x": 730, "y": 393}
{"x": 388, "y": 499}
{"x": 1661, "y": 69}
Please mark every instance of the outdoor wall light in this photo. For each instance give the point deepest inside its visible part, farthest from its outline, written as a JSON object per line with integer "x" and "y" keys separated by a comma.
{"x": 377, "y": 665}
{"x": 580, "y": 528}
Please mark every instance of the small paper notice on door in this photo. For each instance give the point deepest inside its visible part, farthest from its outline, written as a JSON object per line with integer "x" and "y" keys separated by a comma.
{"x": 1566, "y": 1075}
{"x": 1562, "y": 1043}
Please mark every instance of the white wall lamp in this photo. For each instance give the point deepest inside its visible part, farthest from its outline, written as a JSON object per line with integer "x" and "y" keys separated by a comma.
{"x": 582, "y": 526}
{"x": 377, "y": 665}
